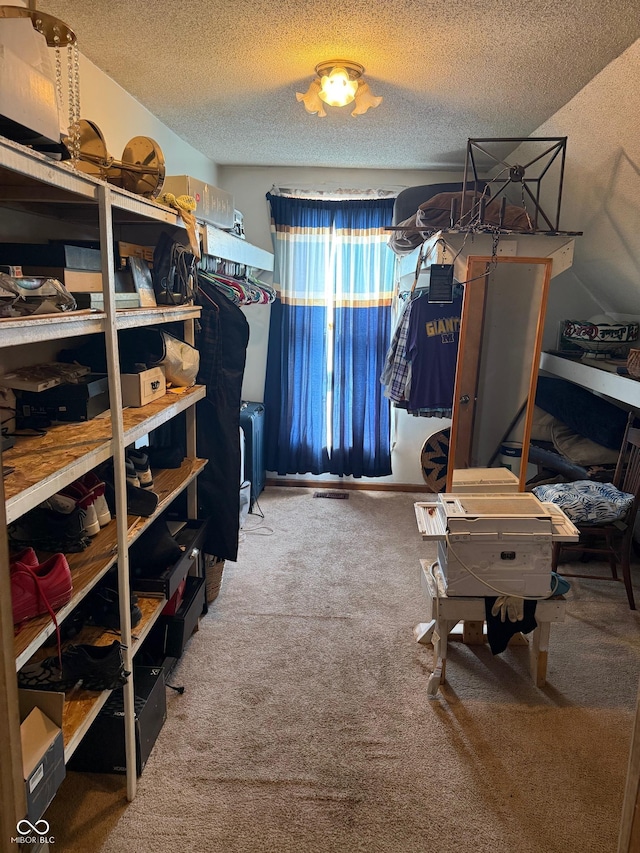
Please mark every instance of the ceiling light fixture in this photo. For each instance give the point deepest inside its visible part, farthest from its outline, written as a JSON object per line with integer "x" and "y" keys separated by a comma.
{"x": 338, "y": 83}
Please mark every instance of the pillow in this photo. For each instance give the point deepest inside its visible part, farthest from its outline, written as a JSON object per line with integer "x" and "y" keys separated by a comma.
{"x": 578, "y": 449}
{"x": 541, "y": 425}
{"x": 587, "y": 502}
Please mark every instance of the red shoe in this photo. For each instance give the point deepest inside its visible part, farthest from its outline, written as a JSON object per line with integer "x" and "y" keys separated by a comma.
{"x": 96, "y": 486}
{"x": 27, "y": 557}
{"x": 43, "y": 589}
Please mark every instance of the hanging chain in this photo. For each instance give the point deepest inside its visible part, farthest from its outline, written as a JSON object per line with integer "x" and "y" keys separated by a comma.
{"x": 73, "y": 85}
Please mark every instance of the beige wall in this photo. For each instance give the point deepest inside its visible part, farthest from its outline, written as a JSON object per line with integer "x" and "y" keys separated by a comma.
{"x": 602, "y": 189}
{"x": 120, "y": 117}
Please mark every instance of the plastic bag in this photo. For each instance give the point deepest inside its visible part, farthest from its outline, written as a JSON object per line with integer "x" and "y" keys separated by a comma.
{"x": 22, "y": 297}
{"x": 181, "y": 361}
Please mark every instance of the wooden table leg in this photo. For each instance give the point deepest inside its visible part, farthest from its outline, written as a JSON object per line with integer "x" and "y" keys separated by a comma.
{"x": 473, "y": 633}
{"x": 540, "y": 653}
{"x": 440, "y": 637}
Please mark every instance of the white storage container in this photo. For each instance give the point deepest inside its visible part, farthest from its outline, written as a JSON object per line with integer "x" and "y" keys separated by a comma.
{"x": 480, "y": 480}
{"x": 494, "y": 544}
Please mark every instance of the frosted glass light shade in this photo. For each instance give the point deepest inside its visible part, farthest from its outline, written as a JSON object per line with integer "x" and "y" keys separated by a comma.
{"x": 337, "y": 89}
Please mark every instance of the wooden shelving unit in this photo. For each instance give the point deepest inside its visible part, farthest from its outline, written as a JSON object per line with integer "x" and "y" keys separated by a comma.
{"x": 60, "y": 199}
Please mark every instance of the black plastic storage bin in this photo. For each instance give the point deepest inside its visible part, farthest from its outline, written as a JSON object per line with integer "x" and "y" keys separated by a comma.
{"x": 191, "y": 536}
{"x": 179, "y": 628}
{"x": 252, "y": 423}
{"x": 102, "y": 749}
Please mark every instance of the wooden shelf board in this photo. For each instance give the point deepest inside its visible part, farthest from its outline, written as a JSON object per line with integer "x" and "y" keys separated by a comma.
{"x": 89, "y": 566}
{"x": 130, "y": 318}
{"x": 45, "y": 464}
{"x": 81, "y": 707}
{"x": 19, "y": 160}
{"x": 16, "y": 331}
{"x": 622, "y": 389}
{"x": 32, "y": 177}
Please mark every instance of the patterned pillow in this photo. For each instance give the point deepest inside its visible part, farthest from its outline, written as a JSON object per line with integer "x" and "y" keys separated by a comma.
{"x": 587, "y": 502}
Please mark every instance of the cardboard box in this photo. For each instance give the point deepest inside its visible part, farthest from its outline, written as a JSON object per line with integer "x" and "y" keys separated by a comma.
{"x": 53, "y": 254}
{"x": 138, "y": 389}
{"x": 96, "y": 300}
{"x": 42, "y": 748}
{"x": 213, "y": 204}
{"x": 80, "y": 281}
{"x": 102, "y": 749}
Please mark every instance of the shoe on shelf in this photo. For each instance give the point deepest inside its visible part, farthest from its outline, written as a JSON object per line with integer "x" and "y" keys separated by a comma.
{"x": 43, "y": 589}
{"x": 70, "y": 628}
{"x": 131, "y": 473}
{"x": 47, "y": 529}
{"x": 27, "y": 556}
{"x": 97, "y": 667}
{"x": 105, "y": 609}
{"x": 140, "y": 461}
{"x": 139, "y": 501}
{"x": 77, "y": 495}
{"x": 96, "y": 486}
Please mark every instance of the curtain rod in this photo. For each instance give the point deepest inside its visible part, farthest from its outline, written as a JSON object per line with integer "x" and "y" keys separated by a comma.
{"x": 337, "y": 193}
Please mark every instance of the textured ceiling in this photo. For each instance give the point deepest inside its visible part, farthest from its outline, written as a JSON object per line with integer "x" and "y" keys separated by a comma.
{"x": 224, "y": 75}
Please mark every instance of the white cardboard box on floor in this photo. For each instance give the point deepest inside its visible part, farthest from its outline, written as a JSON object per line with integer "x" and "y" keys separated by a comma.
{"x": 42, "y": 747}
{"x": 138, "y": 389}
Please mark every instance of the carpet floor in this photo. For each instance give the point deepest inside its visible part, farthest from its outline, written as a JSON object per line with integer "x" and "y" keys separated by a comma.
{"x": 305, "y": 725}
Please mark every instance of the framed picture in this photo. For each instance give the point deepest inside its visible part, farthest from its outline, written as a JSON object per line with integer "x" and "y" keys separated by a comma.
{"x": 143, "y": 283}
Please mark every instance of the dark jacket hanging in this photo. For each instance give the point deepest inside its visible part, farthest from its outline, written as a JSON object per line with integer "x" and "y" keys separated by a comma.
{"x": 222, "y": 341}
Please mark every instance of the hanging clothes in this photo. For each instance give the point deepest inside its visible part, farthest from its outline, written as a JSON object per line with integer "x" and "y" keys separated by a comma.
{"x": 397, "y": 370}
{"x": 432, "y": 346}
{"x": 243, "y": 289}
{"x": 222, "y": 341}
{"x": 420, "y": 366}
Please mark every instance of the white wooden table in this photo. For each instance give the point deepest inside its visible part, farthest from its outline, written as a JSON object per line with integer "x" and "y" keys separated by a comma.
{"x": 446, "y": 613}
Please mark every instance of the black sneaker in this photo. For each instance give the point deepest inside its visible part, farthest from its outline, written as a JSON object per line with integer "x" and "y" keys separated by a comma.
{"x": 105, "y": 609}
{"x": 47, "y": 529}
{"x": 97, "y": 667}
{"x": 140, "y": 462}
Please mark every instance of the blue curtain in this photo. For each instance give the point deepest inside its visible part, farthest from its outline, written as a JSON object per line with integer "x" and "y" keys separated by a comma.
{"x": 329, "y": 333}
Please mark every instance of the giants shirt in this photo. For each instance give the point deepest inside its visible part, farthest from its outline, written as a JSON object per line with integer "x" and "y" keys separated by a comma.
{"x": 432, "y": 346}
